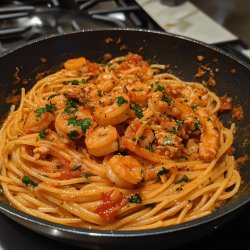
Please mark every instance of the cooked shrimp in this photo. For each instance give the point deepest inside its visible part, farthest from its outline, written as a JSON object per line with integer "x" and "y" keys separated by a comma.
{"x": 73, "y": 126}
{"x": 35, "y": 123}
{"x": 75, "y": 63}
{"x": 112, "y": 109}
{"x": 124, "y": 171}
{"x": 104, "y": 82}
{"x": 209, "y": 140}
{"x": 102, "y": 140}
{"x": 146, "y": 152}
{"x": 168, "y": 144}
{"x": 59, "y": 101}
{"x": 77, "y": 92}
{"x": 138, "y": 93}
{"x": 160, "y": 104}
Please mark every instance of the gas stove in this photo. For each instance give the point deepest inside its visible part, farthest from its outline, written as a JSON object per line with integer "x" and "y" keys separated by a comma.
{"x": 23, "y": 21}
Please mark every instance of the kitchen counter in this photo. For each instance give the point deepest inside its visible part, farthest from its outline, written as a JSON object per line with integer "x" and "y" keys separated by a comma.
{"x": 234, "y": 15}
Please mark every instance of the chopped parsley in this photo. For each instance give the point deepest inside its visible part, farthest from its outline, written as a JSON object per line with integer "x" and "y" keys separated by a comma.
{"x": 48, "y": 108}
{"x": 161, "y": 172}
{"x": 120, "y": 100}
{"x": 197, "y": 124}
{"x": 179, "y": 123}
{"x": 194, "y": 107}
{"x": 76, "y": 167}
{"x": 84, "y": 124}
{"x": 84, "y": 102}
{"x": 183, "y": 179}
{"x": 86, "y": 175}
{"x": 136, "y": 198}
{"x": 173, "y": 131}
{"x": 159, "y": 88}
{"x": 83, "y": 81}
{"x": 149, "y": 147}
{"x": 166, "y": 99}
{"x": 168, "y": 141}
{"x": 75, "y": 82}
{"x": 99, "y": 92}
{"x": 71, "y": 106}
{"x": 43, "y": 133}
{"x": 73, "y": 134}
{"x": 138, "y": 111}
{"x": 143, "y": 137}
{"x": 59, "y": 166}
{"x": 26, "y": 180}
{"x": 133, "y": 139}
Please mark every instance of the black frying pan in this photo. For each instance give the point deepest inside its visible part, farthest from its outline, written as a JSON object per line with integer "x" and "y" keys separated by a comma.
{"x": 232, "y": 77}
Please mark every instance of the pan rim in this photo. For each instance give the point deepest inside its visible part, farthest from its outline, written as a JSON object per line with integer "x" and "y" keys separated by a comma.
{"x": 46, "y": 37}
{"x": 11, "y": 211}
{"x": 7, "y": 209}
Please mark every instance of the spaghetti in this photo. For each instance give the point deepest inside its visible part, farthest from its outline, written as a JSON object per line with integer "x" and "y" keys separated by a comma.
{"x": 122, "y": 146}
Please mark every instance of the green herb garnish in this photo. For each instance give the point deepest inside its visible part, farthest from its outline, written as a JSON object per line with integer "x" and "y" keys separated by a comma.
{"x": 179, "y": 123}
{"x": 71, "y": 106}
{"x": 173, "y": 131}
{"x": 99, "y": 92}
{"x": 183, "y": 179}
{"x": 194, "y": 107}
{"x": 166, "y": 99}
{"x": 136, "y": 198}
{"x": 84, "y": 124}
{"x": 197, "y": 124}
{"x": 43, "y": 133}
{"x": 73, "y": 134}
{"x": 133, "y": 139}
{"x": 161, "y": 172}
{"x": 84, "y": 102}
{"x": 76, "y": 167}
{"x": 159, "y": 88}
{"x": 120, "y": 100}
{"x": 86, "y": 175}
{"x": 26, "y": 180}
{"x": 48, "y": 108}
{"x": 143, "y": 137}
{"x": 149, "y": 147}
{"x": 138, "y": 111}
{"x": 75, "y": 82}
{"x": 168, "y": 141}
{"x": 59, "y": 166}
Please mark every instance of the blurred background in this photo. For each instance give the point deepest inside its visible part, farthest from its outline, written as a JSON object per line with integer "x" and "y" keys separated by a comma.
{"x": 234, "y": 15}
{"x": 224, "y": 23}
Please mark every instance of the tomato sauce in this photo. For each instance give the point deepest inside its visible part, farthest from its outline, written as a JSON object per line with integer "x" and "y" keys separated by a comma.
{"x": 111, "y": 205}
{"x": 225, "y": 103}
{"x": 64, "y": 167}
{"x": 238, "y": 113}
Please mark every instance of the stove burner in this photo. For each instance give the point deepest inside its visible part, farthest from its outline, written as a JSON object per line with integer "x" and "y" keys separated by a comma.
{"x": 22, "y": 21}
